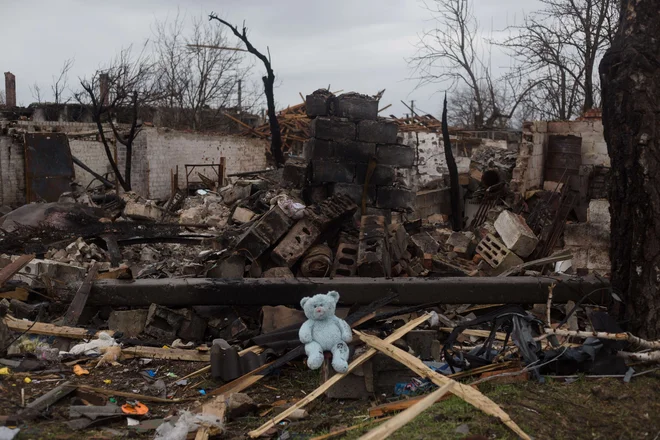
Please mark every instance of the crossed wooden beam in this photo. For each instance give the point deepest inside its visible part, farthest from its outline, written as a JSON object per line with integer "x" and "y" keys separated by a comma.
{"x": 446, "y": 384}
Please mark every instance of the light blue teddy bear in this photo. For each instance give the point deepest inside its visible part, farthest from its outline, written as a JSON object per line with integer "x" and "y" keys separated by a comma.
{"x": 323, "y": 331}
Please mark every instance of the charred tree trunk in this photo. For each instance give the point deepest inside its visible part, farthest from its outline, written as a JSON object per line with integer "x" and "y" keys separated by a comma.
{"x": 269, "y": 83}
{"x": 454, "y": 188}
{"x": 630, "y": 75}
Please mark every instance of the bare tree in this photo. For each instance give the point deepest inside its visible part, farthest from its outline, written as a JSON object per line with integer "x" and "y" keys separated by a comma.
{"x": 116, "y": 95}
{"x": 451, "y": 53}
{"x": 560, "y": 45}
{"x": 60, "y": 82}
{"x": 35, "y": 91}
{"x": 200, "y": 69}
{"x": 269, "y": 83}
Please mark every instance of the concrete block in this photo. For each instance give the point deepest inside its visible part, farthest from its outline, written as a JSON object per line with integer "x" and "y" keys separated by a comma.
{"x": 345, "y": 264}
{"x": 421, "y": 342}
{"x": 333, "y": 129}
{"x": 463, "y": 244}
{"x": 296, "y": 243}
{"x": 424, "y": 244}
{"x": 192, "y": 327}
{"x": 599, "y": 212}
{"x": 326, "y": 171}
{"x": 577, "y": 235}
{"x": 130, "y": 322}
{"x": 242, "y": 215}
{"x": 162, "y": 323}
{"x": 231, "y": 267}
{"x": 295, "y": 172}
{"x": 373, "y": 253}
{"x": 331, "y": 211}
{"x": 396, "y": 199}
{"x": 497, "y": 255}
{"x": 236, "y": 192}
{"x": 354, "y": 151}
{"x": 380, "y": 132}
{"x": 278, "y": 272}
{"x": 318, "y": 149}
{"x": 142, "y": 211}
{"x": 382, "y": 175}
{"x": 264, "y": 233}
{"x": 354, "y": 192}
{"x": 355, "y": 106}
{"x": 515, "y": 233}
{"x": 320, "y": 103}
{"x": 400, "y": 156}
{"x": 598, "y": 259}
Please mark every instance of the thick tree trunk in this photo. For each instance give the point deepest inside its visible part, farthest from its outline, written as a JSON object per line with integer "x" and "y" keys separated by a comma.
{"x": 630, "y": 75}
{"x": 275, "y": 133}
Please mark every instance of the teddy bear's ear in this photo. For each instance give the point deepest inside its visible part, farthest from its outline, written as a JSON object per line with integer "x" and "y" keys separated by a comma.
{"x": 334, "y": 295}
{"x": 303, "y": 301}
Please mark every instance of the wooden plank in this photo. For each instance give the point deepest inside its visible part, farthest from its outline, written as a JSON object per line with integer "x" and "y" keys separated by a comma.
{"x": 38, "y": 406}
{"x": 12, "y": 268}
{"x": 19, "y": 294}
{"x": 398, "y": 334}
{"x": 217, "y": 407}
{"x": 40, "y": 328}
{"x": 75, "y": 309}
{"x": 132, "y": 396}
{"x": 401, "y": 419}
{"x": 465, "y": 392}
{"x": 173, "y": 354}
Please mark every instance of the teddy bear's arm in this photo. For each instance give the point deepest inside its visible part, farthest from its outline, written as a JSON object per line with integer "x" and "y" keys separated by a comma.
{"x": 305, "y": 332}
{"x": 346, "y": 333}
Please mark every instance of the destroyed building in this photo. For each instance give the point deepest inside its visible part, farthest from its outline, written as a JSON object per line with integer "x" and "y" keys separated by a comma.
{"x": 207, "y": 259}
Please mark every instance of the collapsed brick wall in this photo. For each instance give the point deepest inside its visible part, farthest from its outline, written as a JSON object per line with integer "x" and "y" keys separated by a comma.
{"x": 346, "y": 135}
{"x": 155, "y": 153}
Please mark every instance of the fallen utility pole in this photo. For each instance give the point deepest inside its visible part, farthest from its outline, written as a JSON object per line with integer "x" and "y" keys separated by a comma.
{"x": 171, "y": 292}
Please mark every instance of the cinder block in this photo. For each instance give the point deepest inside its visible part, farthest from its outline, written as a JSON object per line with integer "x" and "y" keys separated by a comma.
{"x": 296, "y": 243}
{"x": 400, "y": 156}
{"x": 396, "y": 199}
{"x": 162, "y": 323}
{"x": 463, "y": 244}
{"x": 373, "y": 253}
{"x": 423, "y": 244}
{"x": 599, "y": 212}
{"x": 295, "y": 172}
{"x": 354, "y": 192}
{"x": 326, "y": 172}
{"x": 355, "y": 106}
{"x": 345, "y": 264}
{"x": 380, "y": 132}
{"x": 382, "y": 175}
{"x": 515, "y": 233}
{"x": 318, "y": 149}
{"x": 332, "y": 129}
{"x": 320, "y": 103}
{"x": 129, "y": 322}
{"x": 497, "y": 255}
{"x": 599, "y": 259}
{"x": 357, "y": 152}
{"x": 264, "y": 233}
{"x": 398, "y": 240}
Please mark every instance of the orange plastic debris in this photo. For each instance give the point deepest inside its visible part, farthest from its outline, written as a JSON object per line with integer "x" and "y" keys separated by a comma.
{"x": 79, "y": 371}
{"x": 135, "y": 408}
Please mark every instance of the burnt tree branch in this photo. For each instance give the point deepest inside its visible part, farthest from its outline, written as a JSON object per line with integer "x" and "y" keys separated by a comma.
{"x": 269, "y": 83}
{"x": 454, "y": 188}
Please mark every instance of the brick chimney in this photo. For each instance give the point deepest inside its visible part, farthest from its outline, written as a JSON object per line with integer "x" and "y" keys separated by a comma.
{"x": 104, "y": 88}
{"x": 10, "y": 89}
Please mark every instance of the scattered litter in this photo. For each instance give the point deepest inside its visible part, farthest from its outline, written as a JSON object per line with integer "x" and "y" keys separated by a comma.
{"x": 8, "y": 433}
{"x": 186, "y": 423}
{"x": 135, "y": 408}
{"x": 79, "y": 371}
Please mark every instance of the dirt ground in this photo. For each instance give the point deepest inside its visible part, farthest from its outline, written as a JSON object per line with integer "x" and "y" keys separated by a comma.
{"x": 585, "y": 408}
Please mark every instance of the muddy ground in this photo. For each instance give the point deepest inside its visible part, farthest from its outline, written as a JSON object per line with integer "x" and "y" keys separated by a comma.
{"x": 585, "y": 408}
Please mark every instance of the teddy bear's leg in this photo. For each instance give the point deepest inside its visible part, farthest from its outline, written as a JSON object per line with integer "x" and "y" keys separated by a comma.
{"x": 314, "y": 355}
{"x": 340, "y": 354}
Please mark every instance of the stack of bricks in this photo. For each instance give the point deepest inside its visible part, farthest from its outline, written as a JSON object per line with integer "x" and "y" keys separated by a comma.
{"x": 346, "y": 135}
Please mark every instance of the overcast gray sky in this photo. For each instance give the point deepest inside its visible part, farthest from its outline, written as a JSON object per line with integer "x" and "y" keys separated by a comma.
{"x": 354, "y": 45}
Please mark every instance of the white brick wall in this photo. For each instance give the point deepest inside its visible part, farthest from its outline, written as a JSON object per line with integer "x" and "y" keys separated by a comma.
{"x": 12, "y": 175}
{"x": 594, "y": 147}
{"x": 92, "y": 154}
{"x": 166, "y": 149}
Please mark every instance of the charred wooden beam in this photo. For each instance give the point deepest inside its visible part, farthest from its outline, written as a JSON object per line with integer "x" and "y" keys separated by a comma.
{"x": 275, "y": 291}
